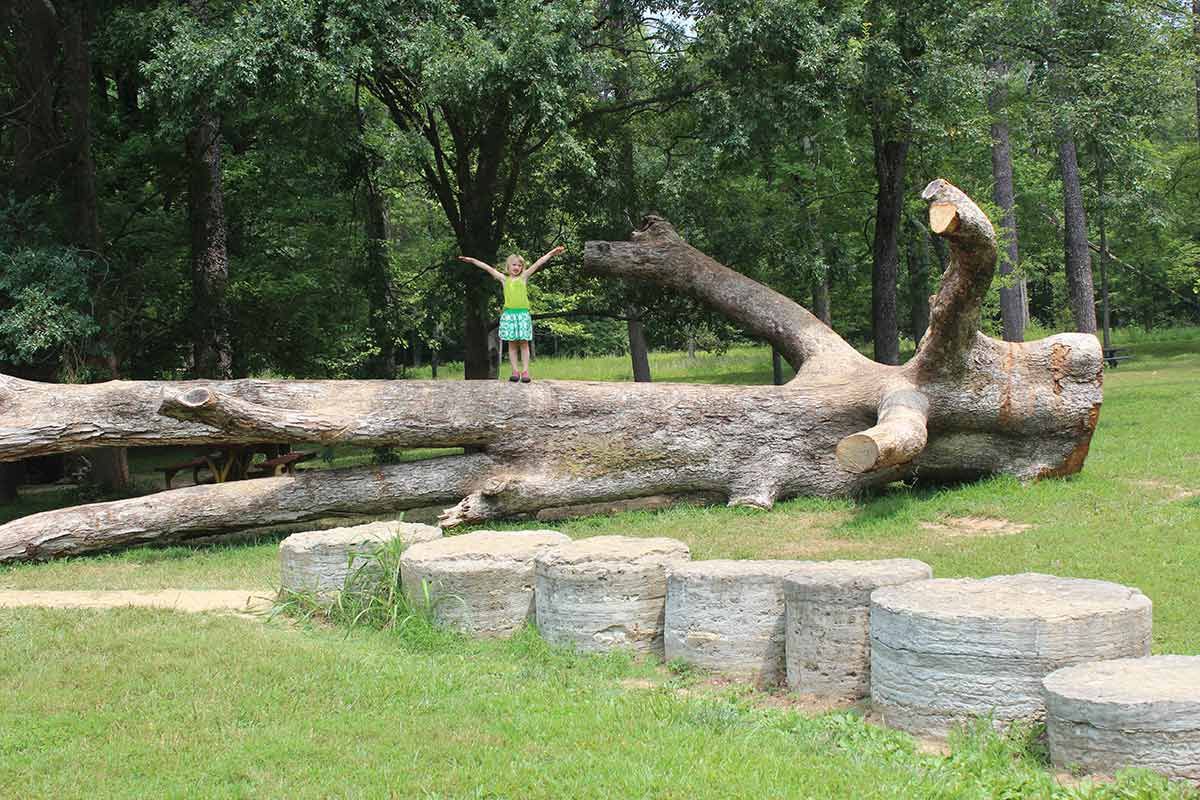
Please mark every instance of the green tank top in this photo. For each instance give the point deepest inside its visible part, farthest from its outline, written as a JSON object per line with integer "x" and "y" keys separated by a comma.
{"x": 516, "y": 294}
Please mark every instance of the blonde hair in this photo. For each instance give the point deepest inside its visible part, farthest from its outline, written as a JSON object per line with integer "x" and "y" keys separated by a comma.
{"x": 514, "y": 258}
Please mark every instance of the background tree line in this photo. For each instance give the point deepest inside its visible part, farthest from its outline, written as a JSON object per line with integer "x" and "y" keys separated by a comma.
{"x": 224, "y": 188}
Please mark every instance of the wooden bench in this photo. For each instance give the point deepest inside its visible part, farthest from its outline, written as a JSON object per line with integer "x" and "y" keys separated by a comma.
{"x": 1115, "y": 355}
{"x": 280, "y": 465}
{"x": 195, "y": 465}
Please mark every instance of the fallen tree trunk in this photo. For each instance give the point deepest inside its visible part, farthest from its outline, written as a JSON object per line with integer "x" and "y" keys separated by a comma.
{"x": 964, "y": 406}
{"x": 197, "y": 511}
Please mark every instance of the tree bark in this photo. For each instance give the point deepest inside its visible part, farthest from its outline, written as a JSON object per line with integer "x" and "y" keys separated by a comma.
{"x": 197, "y": 511}
{"x": 1078, "y": 261}
{"x": 381, "y": 301}
{"x": 1104, "y": 319}
{"x": 964, "y": 406}
{"x": 918, "y": 280}
{"x": 820, "y": 300}
{"x": 890, "y": 156}
{"x": 1014, "y": 299}
{"x": 639, "y": 354}
{"x": 212, "y": 347}
{"x": 110, "y": 466}
{"x": 776, "y": 367}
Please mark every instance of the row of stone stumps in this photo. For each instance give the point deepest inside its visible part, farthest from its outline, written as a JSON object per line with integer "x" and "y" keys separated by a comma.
{"x": 930, "y": 654}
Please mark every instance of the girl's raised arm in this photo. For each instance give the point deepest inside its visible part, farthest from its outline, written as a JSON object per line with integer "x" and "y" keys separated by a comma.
{"x": 541, "y": 261}
{"x": 488, "y": 268}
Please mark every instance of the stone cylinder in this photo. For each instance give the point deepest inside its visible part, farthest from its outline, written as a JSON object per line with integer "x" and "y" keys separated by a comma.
{"x": 478, "y": 583}
{"x": 946, "y": 651}
{"x": 728, "y": 617}
{"x": 828, "y": 623}
{"x": 607, "y": 592}
{"x": 1131, "y": 712}
{"x": 321, "y": 562}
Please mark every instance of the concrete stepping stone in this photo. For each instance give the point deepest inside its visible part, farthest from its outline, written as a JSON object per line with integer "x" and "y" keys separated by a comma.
{"x": 606, "y": 592}
{"x": 1130, "y": 712}
{"x": 828, "y": 623}
{"x": 945, "y": 651}
{"x": 478, "y": 583}
{"x": 322, "y": 561}
{"x": 728, "y": 617}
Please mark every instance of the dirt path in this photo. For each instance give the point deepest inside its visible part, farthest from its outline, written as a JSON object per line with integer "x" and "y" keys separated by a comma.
{"x": 239, "y": 601}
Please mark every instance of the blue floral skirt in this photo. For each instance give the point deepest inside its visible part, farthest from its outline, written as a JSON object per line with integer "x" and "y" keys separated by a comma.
{"x": 516, "y": 325}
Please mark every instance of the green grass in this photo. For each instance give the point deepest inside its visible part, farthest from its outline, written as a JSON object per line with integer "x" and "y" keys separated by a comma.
{"x": 137, "y": 703}
{"x": 741, "y": 364}
{"x": 159, "y": 706}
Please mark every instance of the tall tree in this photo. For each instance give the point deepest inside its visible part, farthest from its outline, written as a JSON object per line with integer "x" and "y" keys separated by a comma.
{"x": 377, "y": 265}
{"x": 212, "y": 346}
{"x": 479, "y": 89}
{"x": 110, "y": 466}
{"x": 893, "y": 49}
{"x": 1081, "y": 293}
{"x": 1014, "y": 300}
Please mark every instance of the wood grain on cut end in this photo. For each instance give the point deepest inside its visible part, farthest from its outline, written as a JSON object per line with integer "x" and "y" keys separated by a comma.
{"x": 898, "y": 438}
{"x": 943, "y": 218}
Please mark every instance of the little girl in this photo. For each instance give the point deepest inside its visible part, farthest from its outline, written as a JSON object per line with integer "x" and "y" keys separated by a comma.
{"x": 516, "y": 326}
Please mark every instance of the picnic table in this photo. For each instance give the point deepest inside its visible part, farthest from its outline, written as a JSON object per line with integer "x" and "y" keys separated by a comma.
{"x": 1115, "y": 355}
{"x": 236, "y": 462}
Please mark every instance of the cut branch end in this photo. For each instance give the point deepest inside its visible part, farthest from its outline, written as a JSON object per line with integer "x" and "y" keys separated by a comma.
{"x": 943, "y": 218}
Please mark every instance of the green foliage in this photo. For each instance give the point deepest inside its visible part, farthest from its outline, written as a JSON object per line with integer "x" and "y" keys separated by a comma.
{"x": 46, "y": 312}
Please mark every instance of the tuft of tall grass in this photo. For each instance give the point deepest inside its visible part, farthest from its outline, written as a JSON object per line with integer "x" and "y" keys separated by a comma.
{"x": 372, "y": 597}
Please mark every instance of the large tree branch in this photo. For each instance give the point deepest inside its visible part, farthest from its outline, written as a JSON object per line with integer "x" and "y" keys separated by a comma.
{"x": 898, "y": 437}
{"x": 240, "y": 505}
{"x": 658, "y": 254}
{"x": 954, "y": 311}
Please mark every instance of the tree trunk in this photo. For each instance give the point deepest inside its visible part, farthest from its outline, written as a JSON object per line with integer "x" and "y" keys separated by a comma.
{"x": 110, "y": 466}
{"x": 381, "y": 301}
{"x": 477, "y": 363}
{"x": 639, "y": 354}
{"x": 1080, "y": 291}
{"x": 1103, "y": 245}
{"x": 890, "y": 155}
{"x": 12, "y": 475}
{"x": 35, "y": 133}
{"x": 963, "y": 406}
{"x": 212, "y": 348}
{"x": 776, "y": 367}
{"x": 1014, "y": 299}
{"x": 918, "y": 280}
{"x": 820, "y": 299}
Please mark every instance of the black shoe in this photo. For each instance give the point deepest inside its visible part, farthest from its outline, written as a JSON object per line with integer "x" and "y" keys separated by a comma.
{"x": 525, "y": 378}
{"x": 513, "y": 379}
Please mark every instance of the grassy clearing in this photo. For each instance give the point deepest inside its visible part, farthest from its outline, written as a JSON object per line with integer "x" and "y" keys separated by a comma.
{"x": 139, "y": 703}
{"x": 220, "y": 707}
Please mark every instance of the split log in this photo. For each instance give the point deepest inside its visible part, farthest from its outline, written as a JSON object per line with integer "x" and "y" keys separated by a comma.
{"x": 965, "y": 406}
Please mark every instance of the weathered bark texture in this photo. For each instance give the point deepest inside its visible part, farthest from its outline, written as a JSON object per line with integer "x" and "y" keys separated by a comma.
{"x": 1078, "y": 261}
{"x": 1014, "y": 299}
{"x": 200, "y": 510}
{"x": 964, "y": 406}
